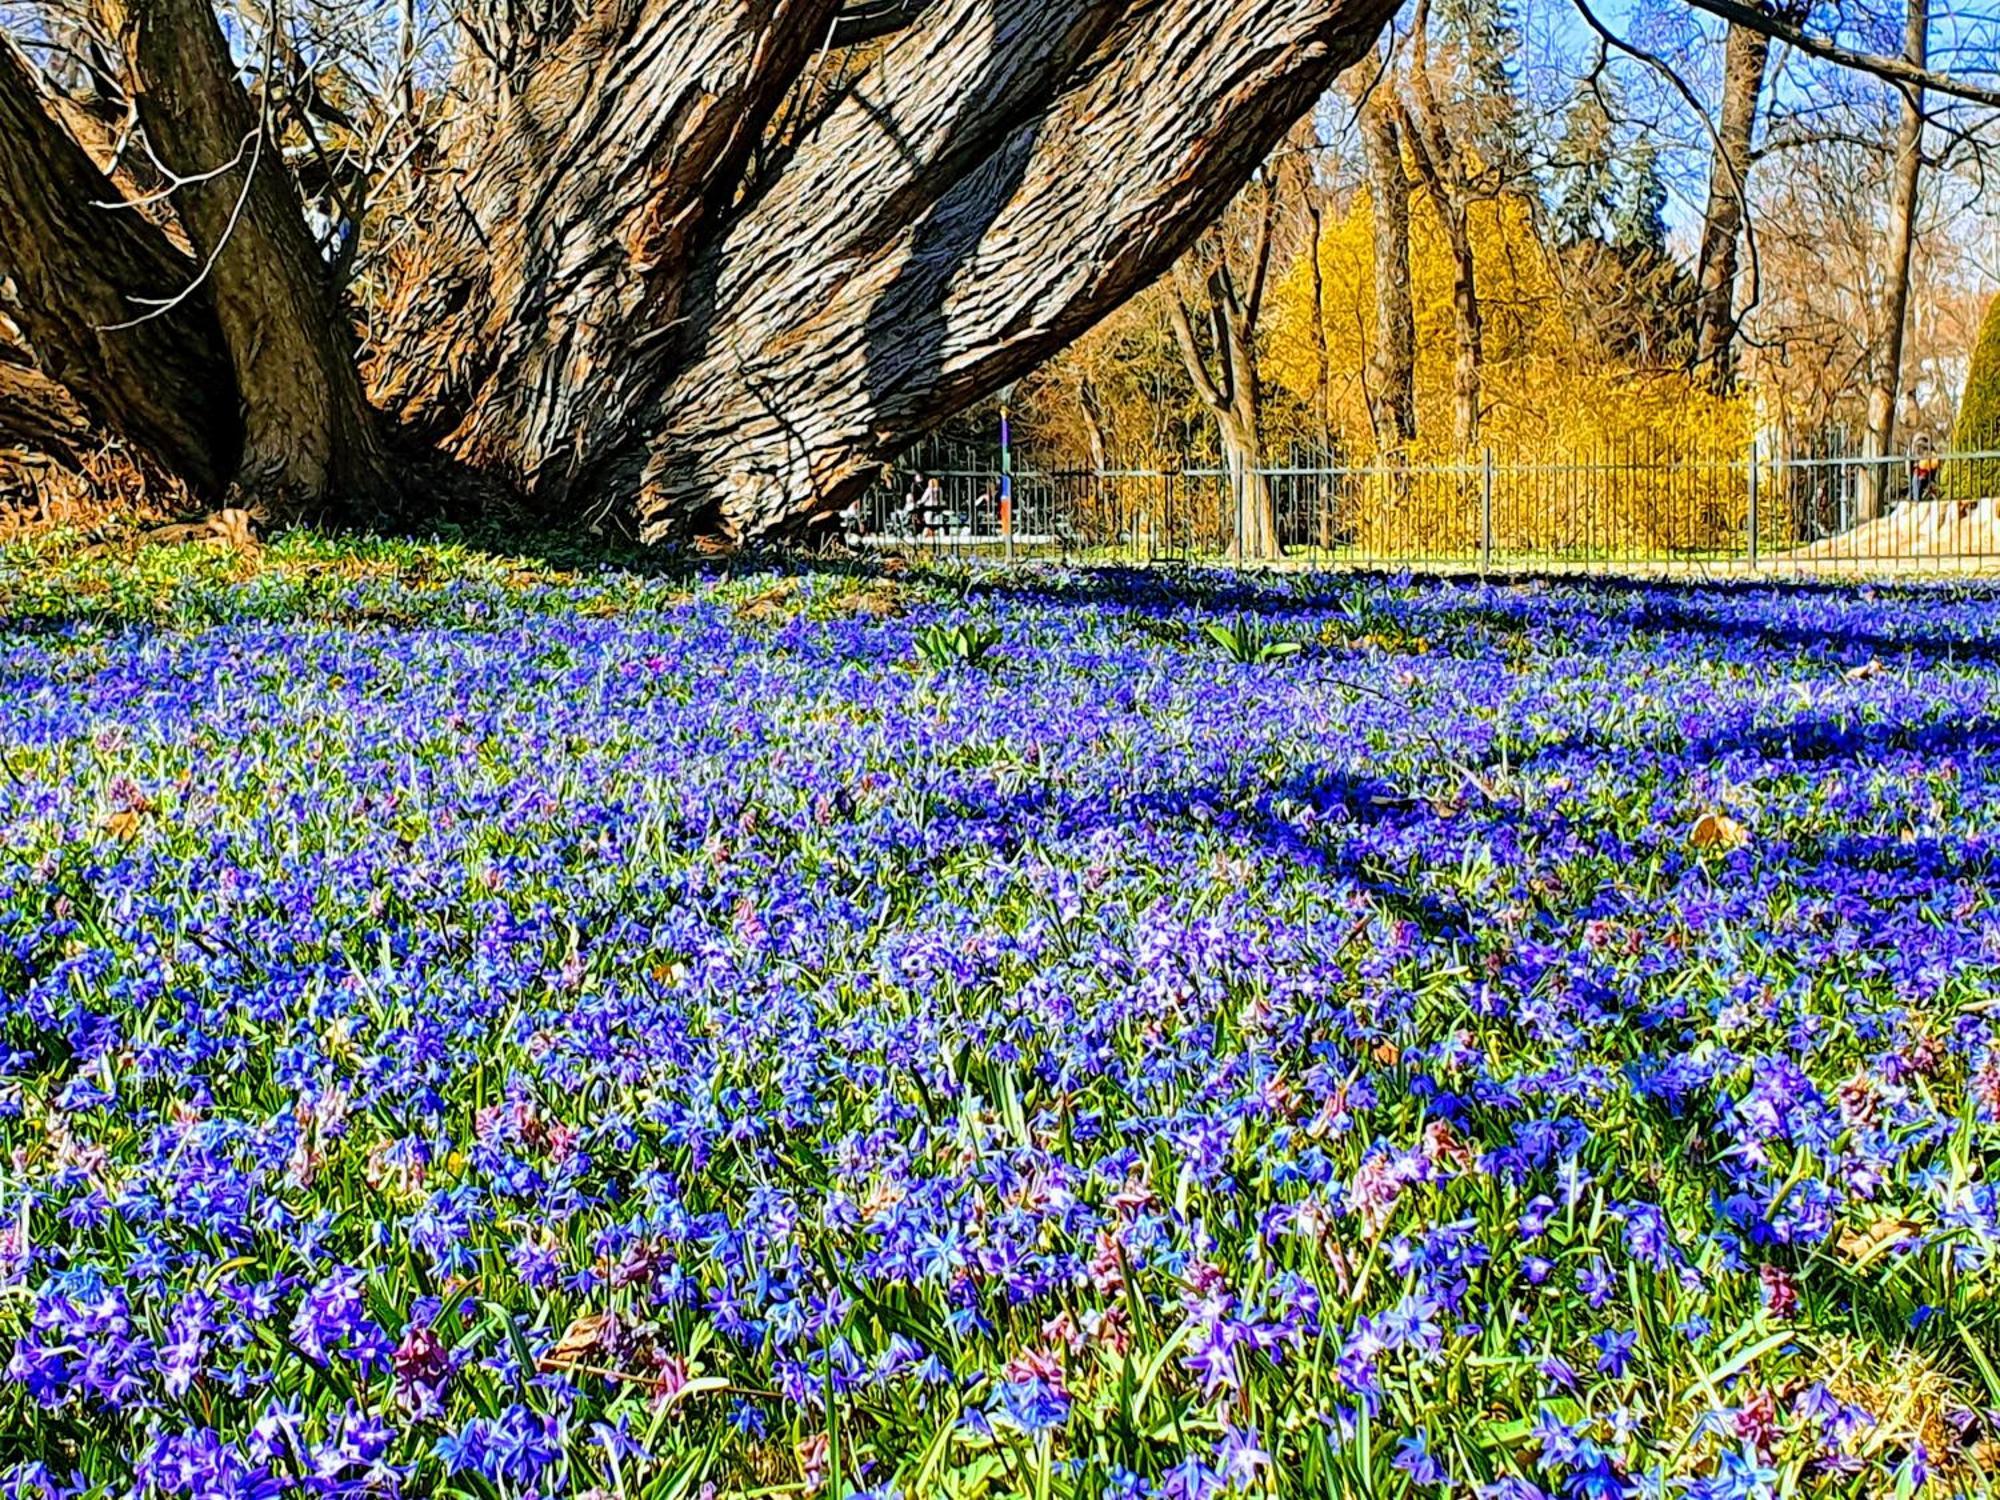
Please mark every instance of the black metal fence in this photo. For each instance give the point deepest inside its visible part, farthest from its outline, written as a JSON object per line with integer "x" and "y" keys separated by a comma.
{"x": 1758, "y": 510}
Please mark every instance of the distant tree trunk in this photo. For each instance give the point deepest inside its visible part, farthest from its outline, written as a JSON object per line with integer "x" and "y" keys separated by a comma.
{"x": 1745, "y": 54}
{"x": 624, "y": 289}
{"x": 1092, "y": 408}
{"x": 1322, "y": 355}
{"x": 1469, "y": 326}
{"x": 1299, "y": 168}
{"x": 1392, "y": 362}
{"x": 1226, "y": 377}
{"x": 1892, "y": 311}
{"x": 1443, "y": 168}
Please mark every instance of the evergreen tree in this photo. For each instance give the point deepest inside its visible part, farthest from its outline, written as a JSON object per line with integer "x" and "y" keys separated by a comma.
{"x": 1486, "y": 35}
{"x": 1639, "y": 222}
{"x": 1978, "y": 427}
{"x": 1586, "y": 180}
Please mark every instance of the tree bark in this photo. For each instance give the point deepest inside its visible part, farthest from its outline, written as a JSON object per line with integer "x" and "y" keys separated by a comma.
{"x": 1893, "y": 308}
{"x": 1442, "y": 167}
{"x": 1392, "y": 362}
{"x": 863, "y": 21}
{"x": 1232, "y": 390}
{"x": 537, "y": 327}
{"x": 37, "y": 415}
{"x": 1009, "y": 172}
{"x": 310, "y": 443}
{"x": 80, "y": 267}
{"x": 1745, "y": 54}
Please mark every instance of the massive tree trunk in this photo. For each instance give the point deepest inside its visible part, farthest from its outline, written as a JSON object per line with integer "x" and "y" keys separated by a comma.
{"x": 1892, "y": 308}
{"x": 309, "y": 439}
{"x": 536, "y": 330}
{"x": 1745, "y": 54}
{"x": 1392, "y": 362}
{"x": 657, "y": 267}
{"x": 1010, "y": 172}
{"x": 92, "y": 292}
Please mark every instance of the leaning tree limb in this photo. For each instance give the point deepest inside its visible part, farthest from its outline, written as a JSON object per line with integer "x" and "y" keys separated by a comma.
{"x": 535, "y": 325}
{"x": 79, "y": 264}
{"x": 944, "y": 240}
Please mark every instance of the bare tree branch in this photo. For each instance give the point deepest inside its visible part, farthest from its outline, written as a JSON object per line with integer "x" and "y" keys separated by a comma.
{"x": 1895, "y": 69}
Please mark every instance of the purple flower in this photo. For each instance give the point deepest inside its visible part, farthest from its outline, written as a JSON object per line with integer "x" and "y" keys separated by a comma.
{"x": 1414, "y": 1458}
{"x": 1614, "y": 1351}
{"x": 1596, "y": 1282}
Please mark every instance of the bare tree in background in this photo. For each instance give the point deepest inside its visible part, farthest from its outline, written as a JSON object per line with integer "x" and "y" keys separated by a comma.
{"x": 1746, "y": 53}
{"x": 1299, "y": 161}
{"x": 1392, "y": 359}
{"x": 1892, "y": 308}
{"x": 1458, "y": 169}
{"x": 1221, "y": 288}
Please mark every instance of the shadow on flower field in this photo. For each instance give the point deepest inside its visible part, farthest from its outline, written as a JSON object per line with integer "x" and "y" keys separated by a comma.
{"x": 496, "y": 1025}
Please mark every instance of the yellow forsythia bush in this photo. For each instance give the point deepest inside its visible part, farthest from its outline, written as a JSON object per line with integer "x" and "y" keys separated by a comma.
{"x": 1588, "y": 456}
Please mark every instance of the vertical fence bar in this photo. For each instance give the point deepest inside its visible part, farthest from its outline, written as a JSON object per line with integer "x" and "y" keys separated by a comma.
{"x": 1485, "y": 510}
{"x": 1753, "y": 502}
{"x": 1237, "y": 480}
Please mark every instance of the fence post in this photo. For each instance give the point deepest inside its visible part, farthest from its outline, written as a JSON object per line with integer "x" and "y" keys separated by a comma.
{"x": 1236, "y": 483}
{"x": 1007, "y": 469}
{"x": 1485, "y": 509}
{"x": 1753, "y": 502}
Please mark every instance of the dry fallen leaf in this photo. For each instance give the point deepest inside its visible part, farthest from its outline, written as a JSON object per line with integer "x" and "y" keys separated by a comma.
{"x": 1714, "y": 830}
{"x": 1864, "y": 1245}
{"x": 773, "y": 602}
{"x": 122, "y": 824}
{"x": 579, "y": 1340}
{"x": 881, "y": 603}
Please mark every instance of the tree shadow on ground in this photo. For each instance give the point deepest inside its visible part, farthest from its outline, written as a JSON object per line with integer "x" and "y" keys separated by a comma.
{"x": 1659, "y": 616}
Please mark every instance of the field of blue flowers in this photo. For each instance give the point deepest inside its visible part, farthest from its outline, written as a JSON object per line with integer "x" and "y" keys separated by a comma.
{"x": 470, "y": 1027}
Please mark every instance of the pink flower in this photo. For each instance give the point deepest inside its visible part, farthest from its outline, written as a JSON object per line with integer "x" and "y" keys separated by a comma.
{"x": 1780, "y": 1296}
